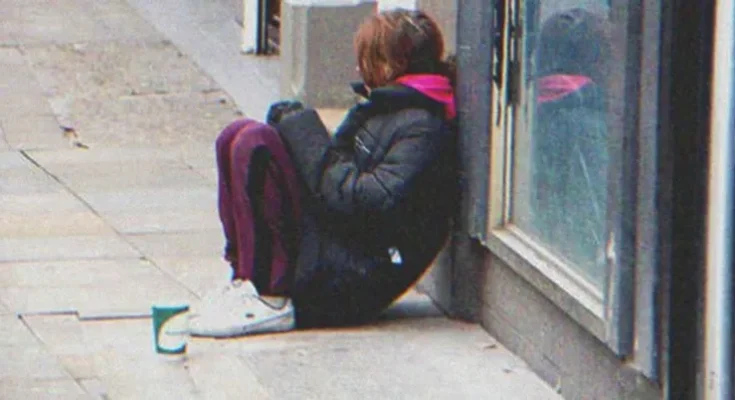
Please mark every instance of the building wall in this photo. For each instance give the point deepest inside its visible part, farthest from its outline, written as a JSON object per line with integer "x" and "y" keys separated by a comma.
{"x": 562, "y": 352}
{"x": 559, "y": 350}
{"x": 237, "y": 8}
{"x": 445, "y": 12}
{"x": 486, "y": 290}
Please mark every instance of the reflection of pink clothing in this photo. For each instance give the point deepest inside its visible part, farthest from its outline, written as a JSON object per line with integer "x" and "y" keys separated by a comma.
{"x": 555, "y": 87}
{"x": 436, "y": 87}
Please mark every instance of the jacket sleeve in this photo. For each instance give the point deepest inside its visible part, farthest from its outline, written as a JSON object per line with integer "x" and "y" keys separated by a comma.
{"x": 346, "y": 189}
{"x": 332, "y": 175}
{"x": 307, "y": 140}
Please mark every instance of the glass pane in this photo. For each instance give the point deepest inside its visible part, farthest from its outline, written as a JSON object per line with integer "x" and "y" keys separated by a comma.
{"x": 560, "y": 162}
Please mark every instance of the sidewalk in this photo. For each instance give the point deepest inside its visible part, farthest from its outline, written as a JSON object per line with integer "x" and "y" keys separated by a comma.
{"x": 91, "y": 238}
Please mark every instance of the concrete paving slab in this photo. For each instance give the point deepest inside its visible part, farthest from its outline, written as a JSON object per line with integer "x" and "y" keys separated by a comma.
{"x": 34, "y": 132}
{"x": 123, "y": 24}
{"x": 12, "y": 57}
{"x": 132, "y": 336}
{"x": 79, "y": 366}
{"x": 174, "y": 221}
{"x": 67, "y": 335}
{"x": 53, "y": 224}
{"x": 109, "y": 176}
{"x": 198, "y": 274}
{"x": 142, "y": 370}
{"x": 157, "y": 120}
{"x": 101, "y": 155}
{"x": 197, "y": 155}
{"x": 130, "y": 389}
{"x": 13, "y": 332}
{"x": 77, "y": 273}
{"x": 207, "y": 371}
{"x": 210, "y": 174}
{"x": 93, "y": 350}
{"x": 22, "y": 96}
{"x": 399, "y": 364}
{"x": 251, "y": 80}
{"x": 94, "y": 302}
{"x": 119, "y": 375}
{"x": 64, "y": 248}
{"x": 188, "y": 244}
{"x": 151, "y": 199}
{"x": 4, "y": 309}
{"x": 60, "y": 334}
{"x": 407, "y": 358}
{"x": 6, "y": 39}
{"x": 94, "y": 387}
{"x": 27, "y": 180}
{"x": 4, "y": 145}
{"x": 27, "y": 205}
{"x": 41, "y": 389}
{"x": 105, "y": 8}
{"x": 29, "y": 363}
{"x": 63, "y": 21}
{"x": 20, "y": 93}
{"x": 95, "y": 69}
{"x": 11, "y": 159}
{"x": 93, "y": 289}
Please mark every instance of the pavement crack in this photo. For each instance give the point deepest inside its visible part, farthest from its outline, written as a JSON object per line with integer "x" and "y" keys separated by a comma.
{"x": 48, "y": 314}
{"x": 3, "y": 137}
{"x": 83, "y": 201}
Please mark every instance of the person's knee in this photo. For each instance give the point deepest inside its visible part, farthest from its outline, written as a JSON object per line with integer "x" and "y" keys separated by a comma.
{"x": 225, "y": 138}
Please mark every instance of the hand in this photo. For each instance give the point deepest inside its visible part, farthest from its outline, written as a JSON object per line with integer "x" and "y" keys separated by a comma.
{"x": 279, "y": 110}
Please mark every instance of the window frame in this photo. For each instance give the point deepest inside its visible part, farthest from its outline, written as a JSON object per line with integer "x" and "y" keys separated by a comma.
{"x": 625, "y": 311}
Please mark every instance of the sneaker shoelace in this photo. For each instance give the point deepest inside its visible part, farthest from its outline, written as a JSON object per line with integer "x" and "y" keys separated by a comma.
{"x": 228, "y": 294}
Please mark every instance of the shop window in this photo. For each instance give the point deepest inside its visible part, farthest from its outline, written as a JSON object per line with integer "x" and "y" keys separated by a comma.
{"x": 569, "y": 155}
{"x": 560, "y": 161}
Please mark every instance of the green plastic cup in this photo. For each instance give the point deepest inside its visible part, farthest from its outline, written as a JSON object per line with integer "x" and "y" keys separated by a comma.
{"x": 169, "y": 328}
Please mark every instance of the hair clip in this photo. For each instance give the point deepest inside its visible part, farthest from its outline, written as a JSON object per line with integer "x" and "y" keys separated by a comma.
{"x": 414, "y": 24}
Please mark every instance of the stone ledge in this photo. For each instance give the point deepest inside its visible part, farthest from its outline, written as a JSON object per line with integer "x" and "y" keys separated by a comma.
{"x": 317, "y": 58}
{"x": 332, "y": 117}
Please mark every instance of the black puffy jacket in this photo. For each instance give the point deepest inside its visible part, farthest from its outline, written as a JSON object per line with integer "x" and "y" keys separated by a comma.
{"x": 385, "y": 181}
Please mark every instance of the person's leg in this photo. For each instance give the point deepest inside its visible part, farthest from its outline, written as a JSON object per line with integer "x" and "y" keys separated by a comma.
{"x": 260, "y": 211}
{"x": 223, "y": 152}
{"x": 266, "y": 209}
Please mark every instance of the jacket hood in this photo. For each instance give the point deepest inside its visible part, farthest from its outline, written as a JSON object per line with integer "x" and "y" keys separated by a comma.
{"x": 555, "y": 87}
{"x": 435, "y": 87}
{"x": 427, "y": 90}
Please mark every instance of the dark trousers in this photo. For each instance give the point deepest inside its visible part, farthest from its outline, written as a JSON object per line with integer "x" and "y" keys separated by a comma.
{"x": 259, "y": 205}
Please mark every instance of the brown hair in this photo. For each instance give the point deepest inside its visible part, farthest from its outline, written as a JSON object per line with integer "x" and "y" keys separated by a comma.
{"x": 398, "y": 42}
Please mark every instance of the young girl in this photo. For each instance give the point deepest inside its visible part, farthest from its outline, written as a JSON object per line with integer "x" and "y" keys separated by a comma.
{"x": 330, "y": 231}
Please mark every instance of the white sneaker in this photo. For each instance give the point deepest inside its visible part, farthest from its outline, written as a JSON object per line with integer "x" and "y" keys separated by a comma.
{"x": 238, "y": 310}
{"x": 231, "y": 293}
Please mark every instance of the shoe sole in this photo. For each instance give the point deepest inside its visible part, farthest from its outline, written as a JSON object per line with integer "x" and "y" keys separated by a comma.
{"x": 252, "y": 329}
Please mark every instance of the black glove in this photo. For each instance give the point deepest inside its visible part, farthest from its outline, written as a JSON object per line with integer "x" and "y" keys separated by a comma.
{"x": 279, "y": 110}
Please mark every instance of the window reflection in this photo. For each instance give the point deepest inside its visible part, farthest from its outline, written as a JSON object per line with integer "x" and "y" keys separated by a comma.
{"x": 561, "y": 199}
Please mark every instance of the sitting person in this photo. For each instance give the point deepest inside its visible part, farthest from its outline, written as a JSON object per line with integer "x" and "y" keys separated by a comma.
{"x": 327, "y": 231}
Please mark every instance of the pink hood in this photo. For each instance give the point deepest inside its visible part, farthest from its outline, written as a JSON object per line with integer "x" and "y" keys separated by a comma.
{"x": 436, "y": 87}
{"x": 555, "y": 87}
